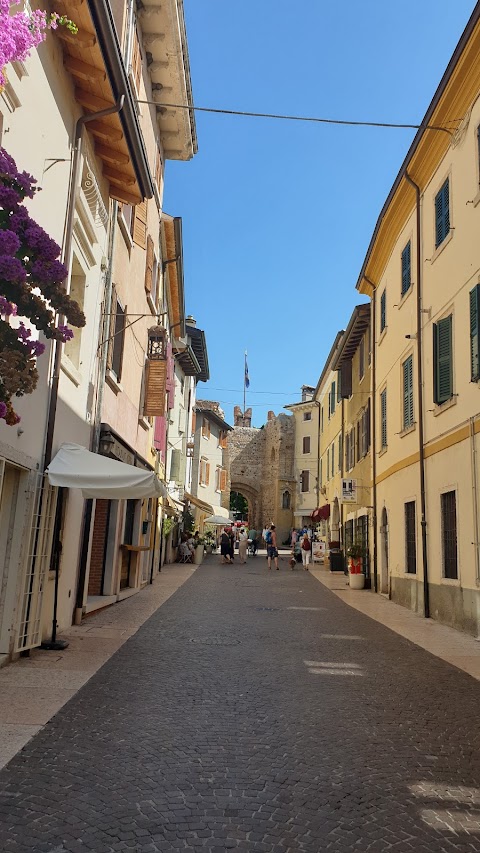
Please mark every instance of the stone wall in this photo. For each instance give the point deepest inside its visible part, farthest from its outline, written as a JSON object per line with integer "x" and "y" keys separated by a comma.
{"x": 260, "y": 465}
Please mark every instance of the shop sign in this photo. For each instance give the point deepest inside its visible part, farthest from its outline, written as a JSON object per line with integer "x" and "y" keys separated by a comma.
{"x": 349, "y": 491}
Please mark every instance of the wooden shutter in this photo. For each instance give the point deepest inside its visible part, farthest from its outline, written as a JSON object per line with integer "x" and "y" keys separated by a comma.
{"x": 347, "y": 451}
{"x": 408, "y": 392}
{"x": 332, "y": 393}
{"x": 149, "y": 265}
{"x": 194, "y": 422}
{"x": 367, "y": 415}
{"x": 136, "y": 61}
{"x": 474, "y": 324}
{"x": 406, "y": 268}
{"x": 160, "y": 436}
{"x": 442, "y": 214}
{"x": 158, "y": 170}
{"x": 223, "y": 480}
{"x": 383, "y": 417}
{"x": 328, "y": 465}
{"x": 443, "y": 360}
{"x": 139, "y": 228}
{"x": 333, "y": 458}
{"x": 339, "y": 386}
{"x": 207, "y": 473}
{"x": 112, "y": 309}
{"x": 175, "y": 465}
{"x": 346, "y": 379}
{"x": 155, "y": 389}
{"x": 362, "y": 359}
{"x": 339, "y": 452}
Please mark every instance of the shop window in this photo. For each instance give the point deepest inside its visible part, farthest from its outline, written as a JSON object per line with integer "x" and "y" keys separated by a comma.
{"x": 410, "y": 538}
{"x": 449, "y": 535}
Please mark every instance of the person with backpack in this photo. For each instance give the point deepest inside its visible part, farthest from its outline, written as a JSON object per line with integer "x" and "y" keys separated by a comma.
{"x": 272, "y": 552}
{"x": 306, "y": 551}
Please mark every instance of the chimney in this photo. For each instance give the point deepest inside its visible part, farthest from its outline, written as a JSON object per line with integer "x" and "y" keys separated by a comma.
{"x": 190, "y": 321}
{"x": 271, "y": 416}
{"x": 237, "y": 416}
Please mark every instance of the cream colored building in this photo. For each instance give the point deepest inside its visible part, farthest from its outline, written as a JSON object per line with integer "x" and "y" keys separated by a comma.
{"x": 422, "y": 271}
{"x": 330, "y": 403}
{"x": 306, "y": 420}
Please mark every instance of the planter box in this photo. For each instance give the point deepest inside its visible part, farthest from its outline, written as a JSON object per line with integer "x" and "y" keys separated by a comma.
{"x": 198, "y": 558}
{"x": 357, "y": 581}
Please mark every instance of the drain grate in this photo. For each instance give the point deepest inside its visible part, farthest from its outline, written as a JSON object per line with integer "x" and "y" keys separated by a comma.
{"x": 215, "y": 641}
{"x": 268, "y": 609}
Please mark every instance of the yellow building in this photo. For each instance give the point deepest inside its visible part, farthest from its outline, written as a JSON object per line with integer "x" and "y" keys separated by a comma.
{"x": 422, "y": 272}
{"x": 306, "y": 415}
{"x": 353, "y": 365}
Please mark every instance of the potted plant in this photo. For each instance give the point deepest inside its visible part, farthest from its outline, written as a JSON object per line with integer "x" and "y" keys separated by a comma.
{"x": 209, "y": 542}
{"x": 199, "y": 550}
{"x": 356, "y": 555}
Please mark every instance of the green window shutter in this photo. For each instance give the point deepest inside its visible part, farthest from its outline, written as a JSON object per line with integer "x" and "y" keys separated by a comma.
{"x": 408, "y": 392}
{"x": 333, "y": 458}
{"x": 474, "y": 329}
{"x": 328, "y": 464}
{"x": 340, "y": 453}
{"x": 383, "y": 417}
{"x": 443, "y": 360}
{"x": 339, "y": 386}
{"x": 332, "y": 395}
{"x": 442, "y": 213}
{"x": 383, "y": 310}
{"x": 406, "y": 268}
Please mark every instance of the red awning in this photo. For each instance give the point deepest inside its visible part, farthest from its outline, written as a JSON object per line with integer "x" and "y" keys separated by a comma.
{"x": 321, "y": 513}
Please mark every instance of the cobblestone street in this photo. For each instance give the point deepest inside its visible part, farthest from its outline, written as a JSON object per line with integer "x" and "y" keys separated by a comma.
{"x": 254, "y": 711}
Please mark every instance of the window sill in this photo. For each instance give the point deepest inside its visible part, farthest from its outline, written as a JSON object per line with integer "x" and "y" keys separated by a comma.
{"x": 113, "y": 382}
{"x": 408, "y": 430}
{"x": 151, "y": 304}
{"x": 438, "y": 251}
{"x": 444, "y": 406}
{"x": 382, "y": 335}
{"x": 404, "y": 296}
{"x": 145, "y": 423}
{"x": 476, "y": 200}
{"x": 70, "y": 370}
{"x": 125, "y": 231}
{"x": 383, "y": 451}
{"x": 451, "y": 581}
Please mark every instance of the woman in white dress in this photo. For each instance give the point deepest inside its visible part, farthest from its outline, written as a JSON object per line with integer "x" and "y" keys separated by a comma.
{"x": 242, "y": 545}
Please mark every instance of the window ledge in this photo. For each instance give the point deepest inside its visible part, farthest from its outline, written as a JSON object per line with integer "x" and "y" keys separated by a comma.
{"x": 444, "y": 406}
{"x": 70, "y": 370}
{"x": 408, "y": 430}
{"x": 144, "y": 423}
{"x": 113, "y": 382}
{"x": 383, "y": 451}
{"x": 476, "y": 200}
{"x": 125, "y": 231}
{"x": 382, "y": 335}
{"x": 404, "y": 296}
{"x": 451, "y": 581}
{"x": 151, "y": 304}
{"x": 438, "y": 251}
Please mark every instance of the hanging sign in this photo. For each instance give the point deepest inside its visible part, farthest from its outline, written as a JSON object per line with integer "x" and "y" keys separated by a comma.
{"x": 349, "y": 491}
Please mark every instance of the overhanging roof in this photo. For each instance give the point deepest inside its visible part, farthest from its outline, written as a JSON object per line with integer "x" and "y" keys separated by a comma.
{"x": 171, "y": 227}
{"x": 94, "y": 59}
{"x": 165, "y": 42}
{"x": 202, "y": 505}
{"x": 185, "y": 356}
{"x": 199, "y": 346}
{"x": 213, "y": 416}
{"x": 328, "y": 363}
{"x": 357, "y": 326}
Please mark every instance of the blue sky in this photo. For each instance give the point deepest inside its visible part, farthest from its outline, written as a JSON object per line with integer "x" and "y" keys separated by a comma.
{"x": 277, "y": 216}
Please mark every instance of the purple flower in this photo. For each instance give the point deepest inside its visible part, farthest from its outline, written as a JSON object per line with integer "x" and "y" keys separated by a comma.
{"x": 36, "y": 238}
{"x": 9, "y": 198}
{"x": 37, "y": 348}
{"x": 11, "y": 269}
{"x": 66, "y": 333}
{"x": 49, "y": 271}
{"x": 7, "y": 308}
{"x": 18, "y": 219}
{"x": 3, "y": 409}
{"x": 9, "y": 243}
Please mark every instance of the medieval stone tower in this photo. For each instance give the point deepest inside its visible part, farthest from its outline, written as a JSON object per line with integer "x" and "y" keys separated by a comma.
{"x": 260, "y": 465}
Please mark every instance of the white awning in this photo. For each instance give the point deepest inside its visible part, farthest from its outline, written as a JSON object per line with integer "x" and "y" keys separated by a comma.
{"x": 221, "y": 511}
{"x": 97, "y": 476}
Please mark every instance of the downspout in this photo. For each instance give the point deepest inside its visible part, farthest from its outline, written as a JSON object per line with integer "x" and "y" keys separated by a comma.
{"x": 373, "y": 427}
{"x": 421, "y": 449}
{"x": 67, "y": 260}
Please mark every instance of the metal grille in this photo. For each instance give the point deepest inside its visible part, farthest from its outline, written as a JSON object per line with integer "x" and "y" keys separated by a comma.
{"x": 37, "y": 564}
{"x": 410, "y": 538}
{"x": 449, "y": 535}
{"x": 362, "y": 538}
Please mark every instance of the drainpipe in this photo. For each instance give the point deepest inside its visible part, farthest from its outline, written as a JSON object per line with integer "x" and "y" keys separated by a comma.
{"x": 421, "y": 449}
{"x": 373, "y": 428}
{"x": 67, "y": 260}
{"x": 473, "y": 454}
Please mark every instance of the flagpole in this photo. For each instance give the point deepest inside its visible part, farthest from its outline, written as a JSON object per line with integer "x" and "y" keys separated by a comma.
{"x": 244, "y": 385}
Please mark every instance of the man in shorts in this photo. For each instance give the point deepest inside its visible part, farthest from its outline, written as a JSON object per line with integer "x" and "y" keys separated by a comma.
{"x": 272, "y": 552}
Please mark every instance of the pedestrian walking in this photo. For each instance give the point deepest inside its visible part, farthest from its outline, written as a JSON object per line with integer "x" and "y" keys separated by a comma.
{"x": 225, "y": 547}
{"x": 242, "y": 545}
{"x": 294, "y": 537}
{"x": 306, "y": 551}
{"x": 272, "y": 551}
{"x": 232, "y": 543}
{"x": 252, "y": 535}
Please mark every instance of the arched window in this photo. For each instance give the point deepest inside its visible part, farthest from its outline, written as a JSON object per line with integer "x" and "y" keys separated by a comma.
{"x": 286, "y": 500}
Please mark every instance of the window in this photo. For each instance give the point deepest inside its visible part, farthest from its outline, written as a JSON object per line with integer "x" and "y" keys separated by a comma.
{"x": 410, "y": 539}
{"x": 222, "y": 438}
{"x": 136, "y": 61}
{"x": 407, "y": 369}
{"x": 117, "y": 335}
{"x": 442, "y": 214}
{"x": 305, "y": 481}
{"x": 307, "y": 416}
{"x": 361, "y": 359}
{"x": 139, "y": 224}
{"x": 383, "y": 418}
{"x": 306, "y": 444}
{"x": 206, "y": 428}
{"x": 77, "y": 292}
{"x": 339, "y": 452}
{"x": 442, "y": 360}
{"x": 333, "y": 458}
{"x": 383, "y": 311}
{"x": 474, "y": 323}
{"x": 332, "y": 399}
{"x": 328, "y": 464}
{"x": 350, "y": 449}
{"x": 218, "y": 477}
{"x": 406, "y": 268}
{"x": 365, "y": 431}
{"x": 339, "y": 387}
{"x": 286, "y": 500}
{"x": 321, "y": 419}
{"x": 449, "y": 535}
{"x": 359, "y": 440}
{"x": 204, "y": 475}
{"x": 321, "y": 473}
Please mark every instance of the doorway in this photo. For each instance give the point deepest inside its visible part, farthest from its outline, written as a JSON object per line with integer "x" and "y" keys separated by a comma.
{"x": 384, "y": 583}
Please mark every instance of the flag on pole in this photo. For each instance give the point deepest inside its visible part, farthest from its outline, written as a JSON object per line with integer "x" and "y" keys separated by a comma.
{"x": 247, "y": 380}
